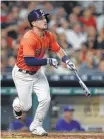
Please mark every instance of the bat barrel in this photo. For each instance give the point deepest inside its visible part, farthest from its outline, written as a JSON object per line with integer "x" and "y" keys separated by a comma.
{"x": 84, "y": 87}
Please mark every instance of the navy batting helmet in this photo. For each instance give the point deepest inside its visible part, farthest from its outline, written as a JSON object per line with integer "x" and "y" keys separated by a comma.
{"x": 36, "y": 14}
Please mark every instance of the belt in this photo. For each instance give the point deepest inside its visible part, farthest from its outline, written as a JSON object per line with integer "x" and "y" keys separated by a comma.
{"x": 28, "y": 72}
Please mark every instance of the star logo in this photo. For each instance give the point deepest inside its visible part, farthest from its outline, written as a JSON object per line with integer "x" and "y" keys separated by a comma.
{"x": 37, "y": 52}
{"x": 42, "y": 12}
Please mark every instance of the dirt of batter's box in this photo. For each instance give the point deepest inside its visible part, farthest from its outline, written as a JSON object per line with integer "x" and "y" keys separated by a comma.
{"x": 52, "y": 135}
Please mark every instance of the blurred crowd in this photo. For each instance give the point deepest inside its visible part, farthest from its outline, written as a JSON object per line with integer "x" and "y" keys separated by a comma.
{"x": 77, "y": 26}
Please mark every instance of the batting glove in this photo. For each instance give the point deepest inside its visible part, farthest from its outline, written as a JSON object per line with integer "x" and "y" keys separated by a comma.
{"x": 70, "y": 65}
{"x": 52, "y": 62}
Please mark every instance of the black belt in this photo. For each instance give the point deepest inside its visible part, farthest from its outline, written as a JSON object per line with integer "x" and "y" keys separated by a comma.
{"x": 28, "y": 72}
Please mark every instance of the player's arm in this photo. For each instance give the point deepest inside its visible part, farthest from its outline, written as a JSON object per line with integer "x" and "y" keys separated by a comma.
{"x": 32, "y": 61}
{"x": 61, "y": 53}
{"x": 29, "y": 55}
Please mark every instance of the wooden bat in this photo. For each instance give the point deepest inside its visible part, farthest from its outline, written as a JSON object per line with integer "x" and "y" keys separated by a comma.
{"x": 83, "y": 86}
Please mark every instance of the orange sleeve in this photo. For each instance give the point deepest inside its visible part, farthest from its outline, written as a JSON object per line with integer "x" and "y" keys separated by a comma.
{"x": 54, "y": 46}
{"x": 28, "y": 45}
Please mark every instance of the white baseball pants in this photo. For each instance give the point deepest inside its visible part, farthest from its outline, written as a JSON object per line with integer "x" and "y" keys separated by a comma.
{"x": 25, "y": 85}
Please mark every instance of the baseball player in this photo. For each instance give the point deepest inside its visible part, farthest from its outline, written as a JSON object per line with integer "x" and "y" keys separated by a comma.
{"x": 27, "y": 74}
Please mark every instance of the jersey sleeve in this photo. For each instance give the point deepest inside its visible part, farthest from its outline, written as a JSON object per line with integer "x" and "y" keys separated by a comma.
{"x": 28, "y": 47}
{"x": 54, "y": 46}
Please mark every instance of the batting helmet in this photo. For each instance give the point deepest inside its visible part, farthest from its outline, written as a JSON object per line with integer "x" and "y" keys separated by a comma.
{"x": 36, "y": 14}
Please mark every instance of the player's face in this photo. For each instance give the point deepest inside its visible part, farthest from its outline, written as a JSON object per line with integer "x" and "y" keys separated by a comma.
{"x": 68, "y": 115}
{"x": 41, "y": 23}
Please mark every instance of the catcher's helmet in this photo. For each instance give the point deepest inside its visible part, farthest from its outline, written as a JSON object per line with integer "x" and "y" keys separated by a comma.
{"x": 36, "y": 14}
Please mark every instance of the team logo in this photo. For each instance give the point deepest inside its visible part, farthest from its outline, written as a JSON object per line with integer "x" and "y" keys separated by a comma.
{"x": 42, "y": 12}
{"x": 37, "y": 52}
{"x": 40, "y": 51}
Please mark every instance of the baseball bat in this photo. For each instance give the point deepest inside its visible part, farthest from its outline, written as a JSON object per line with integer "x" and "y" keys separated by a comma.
{"x": 83, "y": 86}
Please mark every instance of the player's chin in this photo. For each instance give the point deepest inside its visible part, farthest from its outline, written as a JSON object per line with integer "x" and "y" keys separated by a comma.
{"x": 45, "y": 26}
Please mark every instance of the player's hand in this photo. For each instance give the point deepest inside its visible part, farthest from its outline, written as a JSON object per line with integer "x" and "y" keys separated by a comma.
{"x": 70, "y": 65}
{"x": 52, "y": 62}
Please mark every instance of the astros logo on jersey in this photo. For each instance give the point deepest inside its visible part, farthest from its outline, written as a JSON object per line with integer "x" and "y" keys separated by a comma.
{"x": 37, "y": 52}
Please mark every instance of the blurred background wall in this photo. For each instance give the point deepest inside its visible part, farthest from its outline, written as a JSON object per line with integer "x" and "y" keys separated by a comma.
{"x": 79, "y": 28}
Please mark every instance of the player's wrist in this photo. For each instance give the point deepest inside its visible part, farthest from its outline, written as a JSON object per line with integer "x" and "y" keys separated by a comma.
{"x": 69, "y": 63}
{"x": 65, "y": 59}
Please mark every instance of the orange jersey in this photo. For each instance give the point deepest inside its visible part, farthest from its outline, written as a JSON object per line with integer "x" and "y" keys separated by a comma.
{"x": 31, "y": 45}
